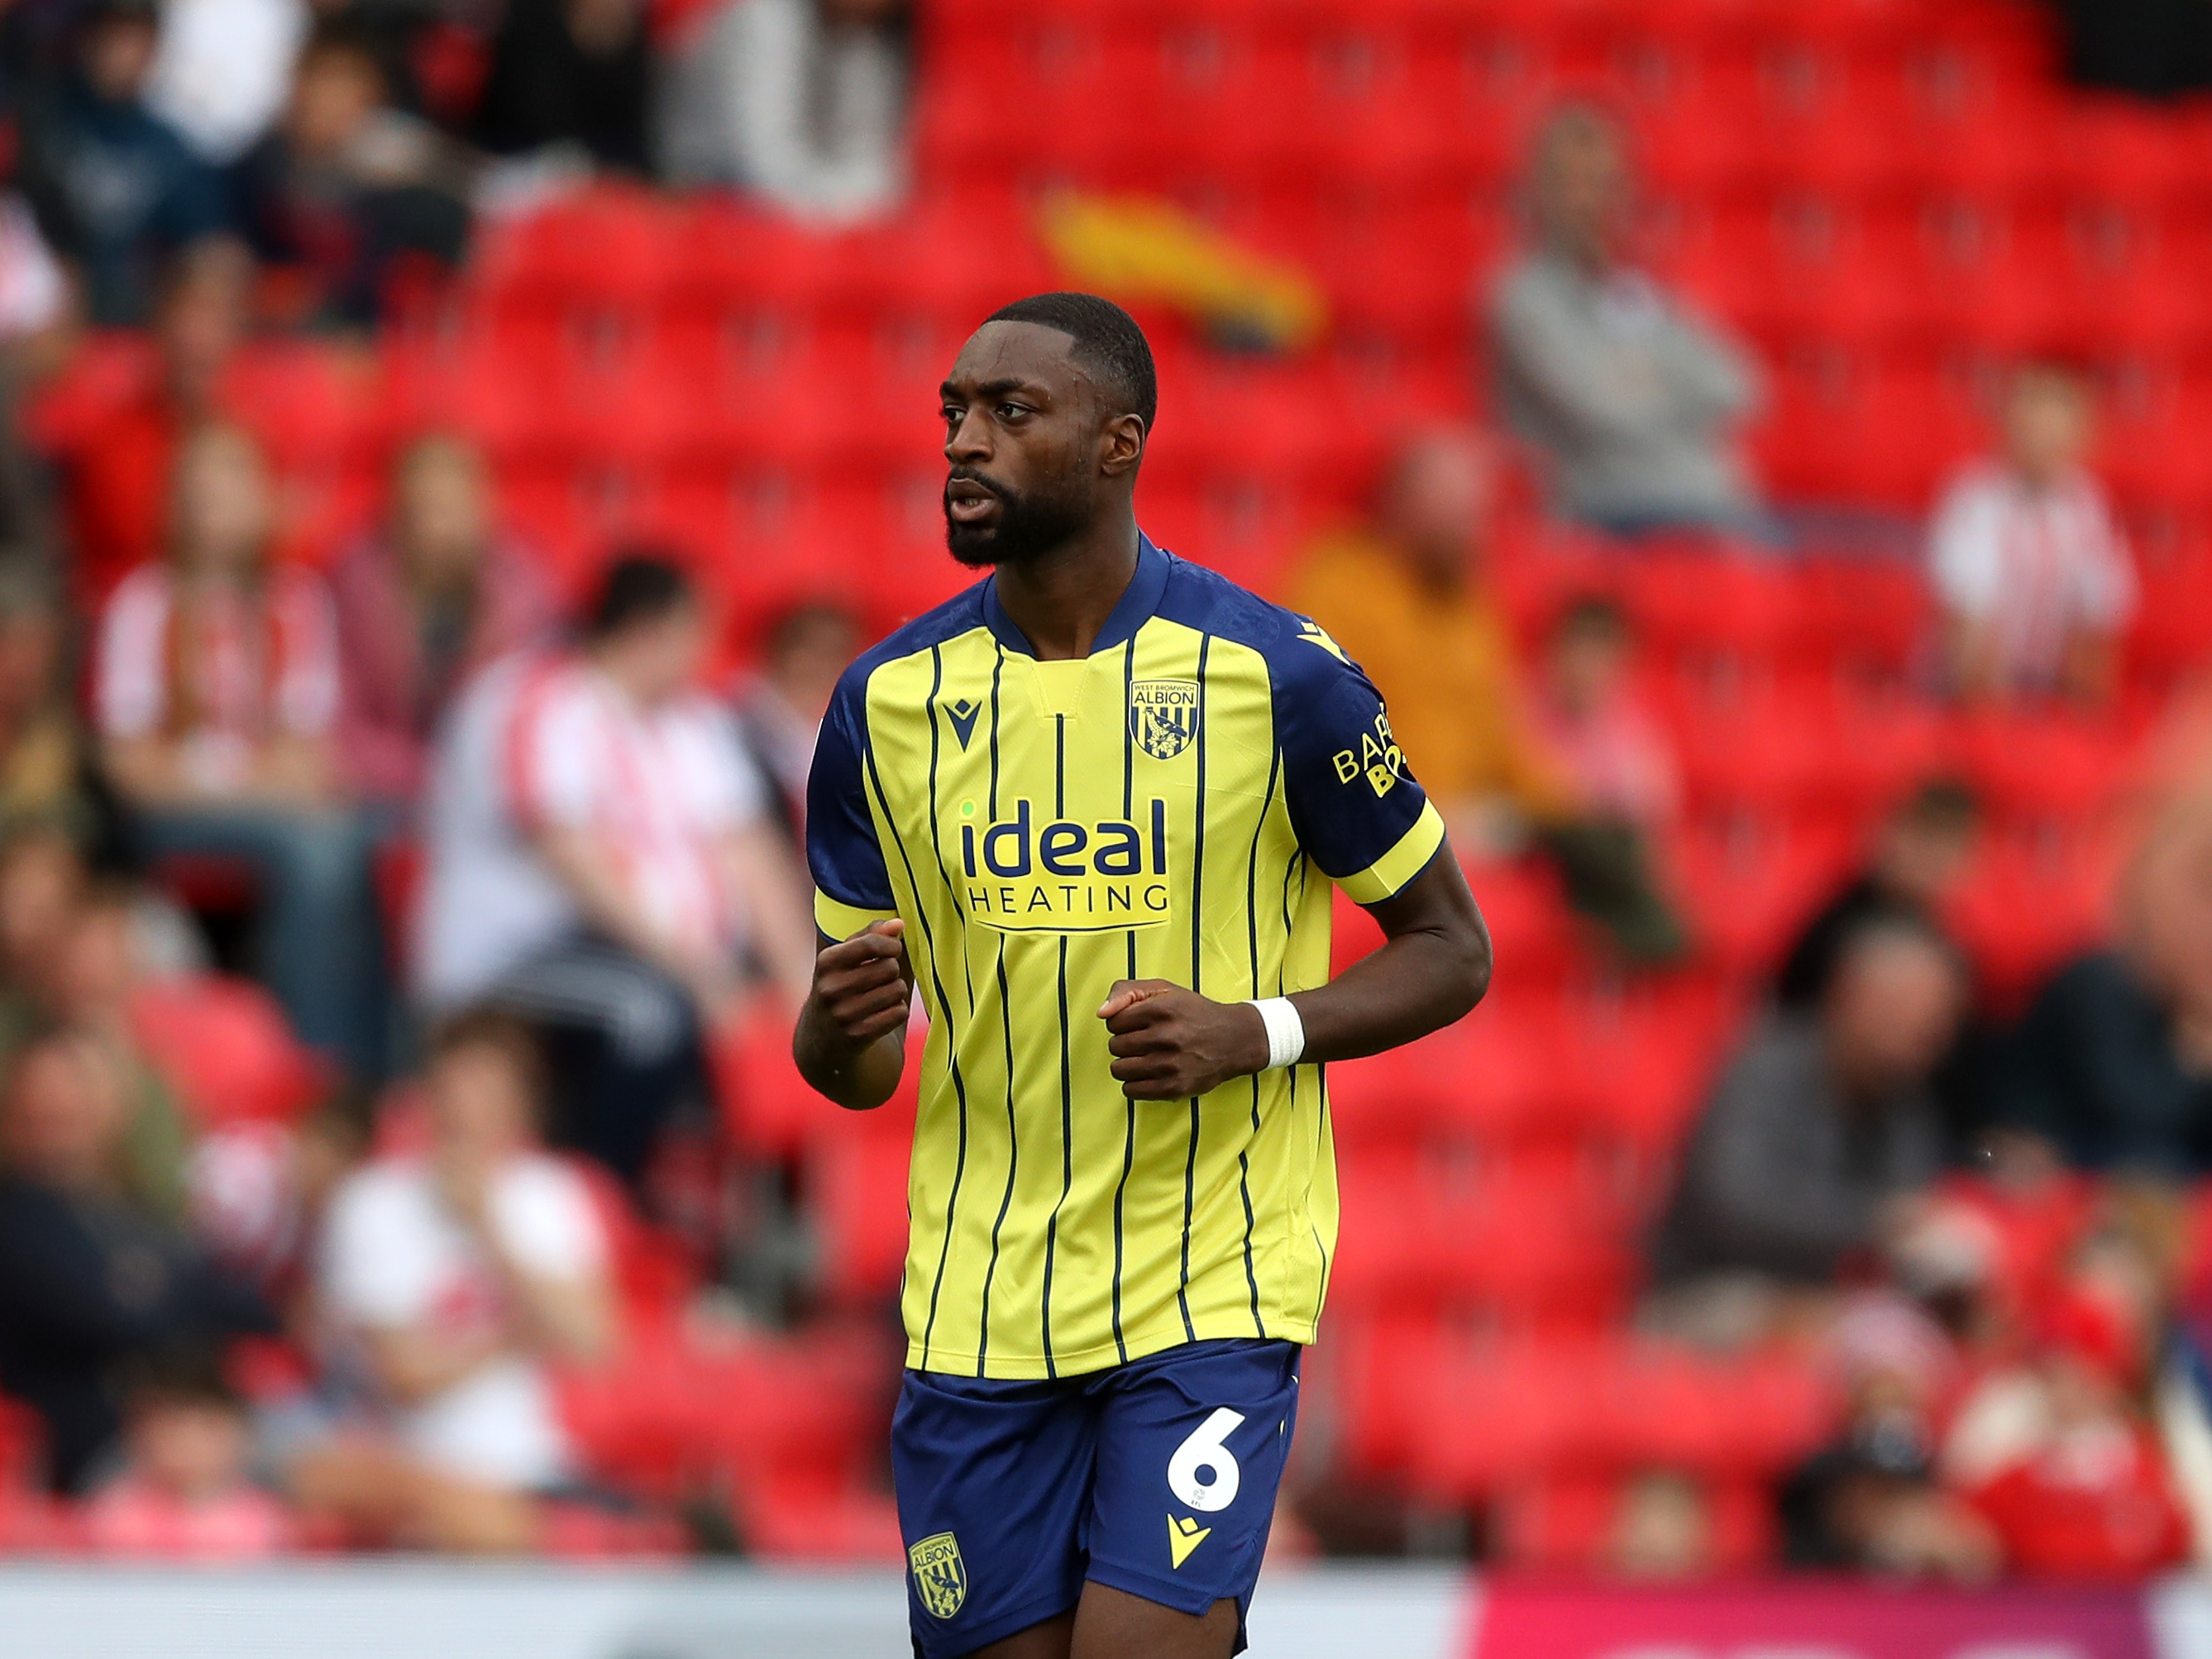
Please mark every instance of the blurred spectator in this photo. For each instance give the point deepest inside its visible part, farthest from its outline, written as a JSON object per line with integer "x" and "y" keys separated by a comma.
{"x": 2028, "y": 561}
{"x": 598, "y": 863}
{"x": 800, "y": 101}
{"x": 780, "y": 709}
{"x": 2113, "y": 1063}
{"x": 116, "y": 188}
{"x": 345, "y": 187}
{"x": 1628, "y": 401}
{"x": 41, "y": 763}
{"x": 216, "y": 693}
{"x": 438, "y": 595}
{"x": 569, "y": 74}
{"x": 87, "y": 1281}
{"x": 78, "y": 943}
{"x": 93, "y": 975}
{"x": 41, "y": 879}
{"x": 1820, "y": 1127}
{"x": 1406, "y": 602}
{"x": 459, "y": 1276}
{"x": 1920, "y": 851}
{"x": 1405, "y": 599}
{"x": 183, "y": 1494}
{"x": 109, "y": 424}
{"x": 1874, "y": 1503}
{"x": 1663, "y": 1532}
{"x": 222, "y": 68}
{"x": 1616, "y": 754}
{"x": 2055, "y": 1450}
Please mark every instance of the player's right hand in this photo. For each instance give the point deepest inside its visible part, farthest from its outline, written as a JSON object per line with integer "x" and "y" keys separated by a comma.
{"x": 861, "y": 985}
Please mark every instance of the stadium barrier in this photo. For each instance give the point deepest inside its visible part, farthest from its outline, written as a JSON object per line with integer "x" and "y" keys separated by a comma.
{"x": 375, "y": 1610}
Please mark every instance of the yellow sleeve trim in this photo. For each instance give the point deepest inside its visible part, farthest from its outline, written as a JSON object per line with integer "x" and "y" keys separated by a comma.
{"x": 1387, "y": 874}
{"x": 843, "y": 920}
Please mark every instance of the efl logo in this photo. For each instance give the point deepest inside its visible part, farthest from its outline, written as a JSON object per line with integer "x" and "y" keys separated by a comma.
{"x": 1062, "y": 877}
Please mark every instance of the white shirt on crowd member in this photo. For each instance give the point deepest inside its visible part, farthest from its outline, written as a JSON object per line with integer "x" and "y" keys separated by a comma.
{"x": 222, "y": 70}
{"x": 394, "y": 1257}
{"x": 766, "y": 95}
{"x": 259, "y": 664}
{"x": 547, "y": 740}
{"x": 2033, "y": 567}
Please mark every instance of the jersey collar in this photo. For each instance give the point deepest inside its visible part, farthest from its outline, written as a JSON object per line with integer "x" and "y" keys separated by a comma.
{"x": 1137, "y": 602}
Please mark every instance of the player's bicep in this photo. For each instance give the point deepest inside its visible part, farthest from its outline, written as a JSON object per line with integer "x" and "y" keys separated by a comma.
{"x": 1355, "y": 806}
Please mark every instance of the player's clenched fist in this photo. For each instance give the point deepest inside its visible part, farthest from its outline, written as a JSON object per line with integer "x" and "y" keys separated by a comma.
{"x": 860, "y": 984}
{"x": 1169, "y": 1043}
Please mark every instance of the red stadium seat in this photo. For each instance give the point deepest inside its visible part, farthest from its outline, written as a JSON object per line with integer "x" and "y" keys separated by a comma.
{"x": 224, "y": 1045}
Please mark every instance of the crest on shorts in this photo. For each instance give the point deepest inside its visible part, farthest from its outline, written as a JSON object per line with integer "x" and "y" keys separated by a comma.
{"x": 1163, "y": 716}
{"x": 940, "y": 1578}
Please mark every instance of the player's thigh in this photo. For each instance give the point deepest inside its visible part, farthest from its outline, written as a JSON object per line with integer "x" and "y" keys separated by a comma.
{"x": 1191, "y": 1448}
{"x": 993, "y": 1482}
{"x": 1112, "y": 1624}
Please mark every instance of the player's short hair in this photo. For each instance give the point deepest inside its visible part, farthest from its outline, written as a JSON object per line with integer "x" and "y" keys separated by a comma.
{"x": 640, "y": 587}
{"x": 1107, "y": 343}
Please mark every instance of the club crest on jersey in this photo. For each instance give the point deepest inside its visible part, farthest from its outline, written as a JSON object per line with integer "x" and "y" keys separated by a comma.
{"x": 1163, "y": 716}
{"x": 940, "y": 1578}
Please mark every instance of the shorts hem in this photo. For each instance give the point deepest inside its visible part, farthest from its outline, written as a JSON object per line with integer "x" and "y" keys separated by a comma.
{"x": 1184, "y": 1596}
{"x": 951, "y": 1644}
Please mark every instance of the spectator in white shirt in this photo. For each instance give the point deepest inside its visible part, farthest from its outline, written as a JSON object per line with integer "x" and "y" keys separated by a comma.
{"x": 216, "y": 691}
{"x": 2033, "y": 573}
{"x": 452, "y": 1281}
{"x": 599, "y": 863}
{"x": 801, "y": 101}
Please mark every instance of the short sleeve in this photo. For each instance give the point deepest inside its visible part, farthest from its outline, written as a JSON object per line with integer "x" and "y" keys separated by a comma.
{"x": 1354, "y": 806}
{"x": 852, "y": 886}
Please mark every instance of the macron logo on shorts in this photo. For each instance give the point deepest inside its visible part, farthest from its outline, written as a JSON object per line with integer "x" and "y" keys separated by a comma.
{"x": 1184, "y": 1536}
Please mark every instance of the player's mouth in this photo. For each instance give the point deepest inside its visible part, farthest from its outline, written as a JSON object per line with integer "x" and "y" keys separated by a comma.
{"x": 967, "y": 501}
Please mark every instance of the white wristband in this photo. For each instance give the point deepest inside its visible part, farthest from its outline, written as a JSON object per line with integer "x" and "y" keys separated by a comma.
{"x": 1286, "y": 1032}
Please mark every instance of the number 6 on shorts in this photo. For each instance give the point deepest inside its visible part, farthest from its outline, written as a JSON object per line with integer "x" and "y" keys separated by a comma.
{"x": 1203, "y": 1473}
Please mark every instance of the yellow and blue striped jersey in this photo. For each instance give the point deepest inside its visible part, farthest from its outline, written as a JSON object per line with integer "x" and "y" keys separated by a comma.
{"x": 1162, "y": 809}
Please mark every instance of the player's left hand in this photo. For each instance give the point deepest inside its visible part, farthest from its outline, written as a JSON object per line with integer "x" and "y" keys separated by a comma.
{"x": 1170, "y": 1043}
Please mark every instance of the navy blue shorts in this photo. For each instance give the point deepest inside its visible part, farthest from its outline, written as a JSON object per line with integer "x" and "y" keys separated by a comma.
{"x": 1156, "y": 1477}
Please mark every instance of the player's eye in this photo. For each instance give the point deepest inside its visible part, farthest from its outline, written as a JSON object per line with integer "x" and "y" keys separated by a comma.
{"x": 1013, "y": 412}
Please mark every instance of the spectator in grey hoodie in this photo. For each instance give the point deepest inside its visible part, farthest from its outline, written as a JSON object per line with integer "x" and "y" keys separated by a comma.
{"x": 1630, "y": 402}
{"x": 1819, "y": 1134}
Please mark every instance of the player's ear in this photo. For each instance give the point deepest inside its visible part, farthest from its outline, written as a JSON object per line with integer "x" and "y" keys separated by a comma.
{"x": 1122, "y": 445}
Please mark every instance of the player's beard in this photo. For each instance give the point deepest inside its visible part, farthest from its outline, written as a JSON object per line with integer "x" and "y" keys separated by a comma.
{"x": 1027, "y": 526}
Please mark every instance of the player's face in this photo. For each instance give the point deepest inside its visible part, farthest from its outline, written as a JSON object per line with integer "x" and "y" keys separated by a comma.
{"x": 1021, "y": 442}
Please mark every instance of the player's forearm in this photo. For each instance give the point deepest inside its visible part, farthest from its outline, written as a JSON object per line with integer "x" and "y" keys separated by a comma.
{"x": 1416, "y": 984}
{"x": 858, "y": 1076}
{"x": 1433, "y": 967}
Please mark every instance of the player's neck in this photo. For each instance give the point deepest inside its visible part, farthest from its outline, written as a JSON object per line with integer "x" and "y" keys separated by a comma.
{"x": 1060, "y": 601}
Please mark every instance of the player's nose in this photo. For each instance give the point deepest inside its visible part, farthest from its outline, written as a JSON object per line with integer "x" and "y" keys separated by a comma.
{"x": 968, "y": 441}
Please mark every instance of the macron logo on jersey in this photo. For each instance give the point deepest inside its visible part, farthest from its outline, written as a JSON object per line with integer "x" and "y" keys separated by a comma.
{"x": 963, "y": 716}
{"x": 1063, "y": 877}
